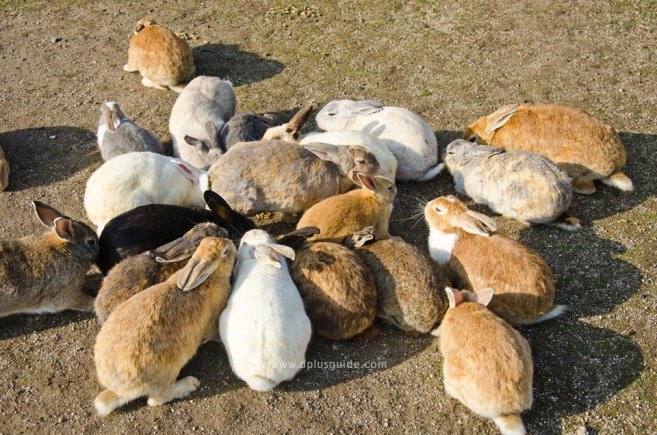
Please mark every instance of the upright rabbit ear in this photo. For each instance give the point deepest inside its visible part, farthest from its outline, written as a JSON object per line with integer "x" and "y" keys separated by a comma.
{"x": 214, "y": 136}
{"x": 455, "y": 297}
{"x": 367, "y": 107}
{"x": 46, "y": 214}
{"x": 266, "y": 254}
{"x": 64, "y": 229}
{"x": 179, "y": 249}
{"x": 482, "y": 297}
{"x": 366, "y": 181}
{"x": 300, "y": 119}
{"x": 469, "y": 224}
{"x": 195, "y": 273}
{"x": 500, "y": 117}
{"x": 186, "y": 169}
{"x": 490, "y": 223}
{"x": 218, "y": 205}
{"x": 297, "y": 238}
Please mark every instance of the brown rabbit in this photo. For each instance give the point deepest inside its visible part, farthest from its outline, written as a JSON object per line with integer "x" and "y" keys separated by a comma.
{"x": 147, "y": 340}
{"x": 586, "y": 147}
{"x": 341, "y": 215}
{"x": 162, "y": 58}
{"x": 46, "y": 274}
{"x": 487, "y": 365}
{"x": 4, "y": 171}
{"x": 409, "y": 283}
{"x": 338, "y": 290}
{"x": 139, "y": 272}
{"x": 462, "y": 241}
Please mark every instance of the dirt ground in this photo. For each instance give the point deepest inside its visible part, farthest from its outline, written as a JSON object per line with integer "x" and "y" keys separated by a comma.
{"x": 451, "y": 62}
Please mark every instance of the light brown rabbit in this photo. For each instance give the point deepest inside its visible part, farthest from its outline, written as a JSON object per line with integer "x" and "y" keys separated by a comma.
{"x": 162, "y": 58}
{"x": 338, "y": 290}
{"x": 147, "y": 340}
{"x": 462, "y": 241}
{"x": 586, "y": 147}
{"x": 341, "y": 215}
{"x": 409, "y": 283}
{"x": 4, "y": 171}
{"x": 487, "y": 365}
{"x": 45, "y": 274}
{"x": 139, "y": 272}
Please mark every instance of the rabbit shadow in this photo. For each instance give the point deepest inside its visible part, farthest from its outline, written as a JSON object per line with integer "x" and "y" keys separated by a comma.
{"x": 43, "y": 155}
{"x": 576, "y": 368}
{"x": 228, "y": 61}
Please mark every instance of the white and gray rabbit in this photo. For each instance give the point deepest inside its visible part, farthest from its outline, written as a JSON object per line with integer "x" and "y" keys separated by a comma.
{"x": 197, "y": 117}
{"x": 407, "y": 135}
{"x": 118, "y": 134}
{"x": 516, "y": 184}
{"x": 264, "y": 327}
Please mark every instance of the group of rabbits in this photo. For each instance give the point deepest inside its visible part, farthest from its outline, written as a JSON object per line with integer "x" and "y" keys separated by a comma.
{"x": 173, "y": 277}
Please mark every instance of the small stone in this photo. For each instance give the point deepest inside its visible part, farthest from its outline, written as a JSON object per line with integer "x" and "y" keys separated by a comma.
{"x": 53, "y": 137}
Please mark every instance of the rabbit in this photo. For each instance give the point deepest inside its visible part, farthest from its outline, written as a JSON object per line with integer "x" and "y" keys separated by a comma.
{"x": 147, "y": 339}
{"x": 291, "y": 130}
{"x": 4, "y": 171}
{"x": 149, "y": 226}
{"x": 138, "y": 272}
{"x": 45, "y": 274}
{"x": 409, "y": 283}
{"x": 487, "y": 365}
{"x": 338, "y": 290}
{"x": 518, "y": 184}
{"x": 387, "y": 161}
{"x": 133, "y": 179}
{"x": 197, "y": 117}
{"x": 341, "y": 215}
{"x": 283, "y": 176}
{"x": 162, "y": 58}
{"x": 264, "y": 327}
{"x": 244, "y": 127}
{"x": 463, "y": 242}
{"x": 118, "y": 134}
{"x": 409, "y": 137}
{"x": 586, "y": 147}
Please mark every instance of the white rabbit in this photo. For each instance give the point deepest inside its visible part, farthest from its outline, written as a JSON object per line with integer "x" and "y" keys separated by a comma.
{"x": 197, "y": 117}
{"x": 133, "y": 179}
{"x": 408, "y": 136}
{"x": 264, "y": 327}
{"x": 387, "y": 160}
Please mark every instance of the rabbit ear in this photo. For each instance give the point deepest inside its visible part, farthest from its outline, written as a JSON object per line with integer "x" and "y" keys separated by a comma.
{"x": 500, "y": 117}
{"x": 179, "y": 249}
{"x": 297, "y": 238}
{"x": 482, "y": 297}
{"x": 363, "y": 236}
{"x": 367, "y": 107}
{"x": 283, "y": 250}
{"x": 490, "y": 223}
{"x": 366, "y": 181}
{"x": 186, "y": 169}
{"x": 63, "y": 227}
{"x": 300, "y": 119}
{"x": 46, "y": 213}
{"x": 469, "y": 224}
{"x": 455, "y": 297}
{"x": 331, "y": 153}
{"x": 266, "y": 254}
{"x": 218, "y": 205}
{"x": 198, "y": 143}
{"x": 214, "y": 135}
{"x": 195, "y": 273}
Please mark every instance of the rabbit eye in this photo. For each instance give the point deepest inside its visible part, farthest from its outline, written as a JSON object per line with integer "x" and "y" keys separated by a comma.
{"x": 332, "y": 113}
{"x": 360, "y": 161}
{"x": 91, "y": 242}
{"x": 440, "y": 210}
{"x": 473, "y": 138}
{"x": 389, "y": 188}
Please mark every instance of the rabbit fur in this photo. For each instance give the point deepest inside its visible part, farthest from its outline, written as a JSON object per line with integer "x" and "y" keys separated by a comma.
{"x": 139, "y": 272}
{"x": 4, "y": 171}
{"x": 244, "y": 127}
{"x": 45, "y": 274}
{"x": 162, "y": 58}
{"x": 197, "y": 117}
{"x": 487, "y": 365}
{"x": 133, "y": 179}
{"x": 118, "y": 134}
{"x": 518, "y": 184}
{"x": 585, "y": 146}
{"x": 147, "y": 339}
{"x": 264, "y": 327}
{"x": 463, "y": 242}
{"x": 341, "y": 215}
{"x": 408, "y": 136}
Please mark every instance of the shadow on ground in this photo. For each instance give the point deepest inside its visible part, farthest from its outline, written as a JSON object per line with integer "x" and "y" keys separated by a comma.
{"x": 229, "y": 62}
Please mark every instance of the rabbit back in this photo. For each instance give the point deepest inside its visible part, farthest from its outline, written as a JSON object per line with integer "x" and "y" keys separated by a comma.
{"x": 128, "y": 137}
{"x": 338, "y": 291}
{"x": 244, "y": 127}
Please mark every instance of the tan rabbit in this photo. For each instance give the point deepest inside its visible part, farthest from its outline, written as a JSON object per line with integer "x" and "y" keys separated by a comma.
{"x": 462, "y": 241}
{"x": 338, "y": 290}
{"x": 586, "y": 147}
{"x": 487, "y": 365}
{"x": 162, "y": 58}
{"x": 409, "y": 283}
{"x": 45, "y": 274}
{"x": 341, "y": 215}
{"x": 147, "y": 340}
{"x": 139, "y": 272}
{"x": 4, "y": 171}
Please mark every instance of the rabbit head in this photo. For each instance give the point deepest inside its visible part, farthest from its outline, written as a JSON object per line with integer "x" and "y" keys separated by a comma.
{"x": 291, "y": 130}
{"x": 211, "y": 254}
{"x": 82, "y": 240}
{"x": 210, "y": 148}
{"x": 360, "y": 238}
{"x": 383, "y": 188}
{"x": 447, "y": 213}
{"x": 348, "y": 160}
{"x": 456, "y": 297}
{"x": 258, "y": 245}
{"x": 141, "y": 24}
{"x": 111, "y": 115}
{"x": 228, "y": 218}
{"x": 459, "y": 152}
{"x": 337, "y": 114}
{"x": 482, "y": 130}
{"x": 183, "y": 247}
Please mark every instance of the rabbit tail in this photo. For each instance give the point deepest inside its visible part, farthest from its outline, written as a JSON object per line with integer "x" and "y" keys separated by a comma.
{"x": 432, "y": 172}
{"x": 259, "y": 383}
{"x": 567, "y": 222}
{"x": 620, "y": 181}
{"x": 556, "y": 311}
{"x": 510, "y": 424}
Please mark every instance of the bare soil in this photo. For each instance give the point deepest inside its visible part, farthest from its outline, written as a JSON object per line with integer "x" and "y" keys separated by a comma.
{"x": 450, "y": 62}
